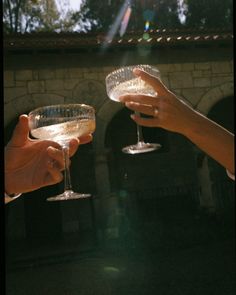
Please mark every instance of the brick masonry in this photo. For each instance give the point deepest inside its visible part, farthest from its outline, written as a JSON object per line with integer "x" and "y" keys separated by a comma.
{"x": 202, "y": 84}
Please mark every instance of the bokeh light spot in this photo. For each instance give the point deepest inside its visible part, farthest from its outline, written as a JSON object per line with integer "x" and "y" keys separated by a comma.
{"x": 146, "y": 36}
{"x": 148, "y": 15}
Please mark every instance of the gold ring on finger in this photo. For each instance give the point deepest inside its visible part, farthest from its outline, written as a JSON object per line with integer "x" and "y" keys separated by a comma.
{"x": 155, "y": 111}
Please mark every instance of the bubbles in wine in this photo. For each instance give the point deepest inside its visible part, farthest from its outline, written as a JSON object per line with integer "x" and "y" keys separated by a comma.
{"x": 133, "y": 86}
{"x": 64, "y": 131}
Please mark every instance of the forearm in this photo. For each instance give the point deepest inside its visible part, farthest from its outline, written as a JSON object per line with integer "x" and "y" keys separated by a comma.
{"x": 213, "y": 139}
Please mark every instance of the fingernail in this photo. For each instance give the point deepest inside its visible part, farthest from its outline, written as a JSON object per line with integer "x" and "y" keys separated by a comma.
{"x": 137, "y": 71}
{"x": 132, "y": 116}
{"x": 75, "y": 140}
{"x": 51, "y": 150}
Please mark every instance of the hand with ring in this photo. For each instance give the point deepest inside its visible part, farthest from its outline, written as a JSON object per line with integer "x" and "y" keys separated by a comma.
{"x": 165, "y": 110}
{"x": 169, "y": 112}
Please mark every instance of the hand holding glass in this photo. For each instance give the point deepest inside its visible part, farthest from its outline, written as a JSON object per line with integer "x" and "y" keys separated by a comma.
{"x": 61, "y": 123}
{"x": 123, "y": 82}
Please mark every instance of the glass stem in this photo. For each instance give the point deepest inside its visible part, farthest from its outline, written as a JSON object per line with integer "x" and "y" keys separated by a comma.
{"x": 139, "y": 131}
{"x": 67, "y": 179}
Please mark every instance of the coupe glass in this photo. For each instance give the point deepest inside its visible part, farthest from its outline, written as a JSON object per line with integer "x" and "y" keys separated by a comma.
{"x": 122, "y": 82}
{"x": 61, "y": 123}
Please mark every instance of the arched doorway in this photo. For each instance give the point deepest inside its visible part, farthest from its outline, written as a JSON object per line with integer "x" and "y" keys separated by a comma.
{"x": 130, "y": 171}
{"x": 222, "y": 187}
{"x": 153, "y": 190}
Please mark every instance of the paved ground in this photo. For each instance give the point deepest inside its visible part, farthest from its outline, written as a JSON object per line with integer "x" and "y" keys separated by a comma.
{"x": 182, "y": 259}
{"x": 200, "y": 270}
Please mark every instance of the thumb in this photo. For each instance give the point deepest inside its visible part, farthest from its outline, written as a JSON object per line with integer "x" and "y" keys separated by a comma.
{"x": 21, "y": 132}
{"x": 155, "y": 82}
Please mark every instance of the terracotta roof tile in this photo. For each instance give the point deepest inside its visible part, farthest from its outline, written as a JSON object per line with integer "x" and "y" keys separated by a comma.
{"x": 82, "y": 40}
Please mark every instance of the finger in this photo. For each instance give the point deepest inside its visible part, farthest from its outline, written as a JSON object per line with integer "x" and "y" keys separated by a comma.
{"x": 73, "y": 146}
{"x": 85, "y": 139}
{"x": 155, "y": 82}
{"x": 54, "y": 175}
{"x": 143, "y": 99}
{"x": 75, "y": 142}
{"x": 21, "y": 132}
{"x": 47, "y": 143}
{"x": 141, "y": 108}
{"x": 56, "y": 158}
{"x": 146, "y": 122}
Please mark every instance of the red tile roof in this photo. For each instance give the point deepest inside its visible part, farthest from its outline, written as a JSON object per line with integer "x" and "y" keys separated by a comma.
{"x": 91, "y": 40}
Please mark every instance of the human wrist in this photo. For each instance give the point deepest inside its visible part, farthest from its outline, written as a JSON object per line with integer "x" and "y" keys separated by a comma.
{"x": 192, "y": 124}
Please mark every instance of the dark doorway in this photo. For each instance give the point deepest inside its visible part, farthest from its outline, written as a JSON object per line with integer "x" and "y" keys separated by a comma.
{"x": 157, "y": 191}
{"x": 222, "y": 186}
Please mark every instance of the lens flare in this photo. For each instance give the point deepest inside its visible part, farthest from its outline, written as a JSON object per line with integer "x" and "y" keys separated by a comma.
{"x": 121, "y": 22}
{"x": 125, "y": 21}
{"x": 148, "y": 15}
{"x": 146, "y": 36}
{"x": 147, "y": 25}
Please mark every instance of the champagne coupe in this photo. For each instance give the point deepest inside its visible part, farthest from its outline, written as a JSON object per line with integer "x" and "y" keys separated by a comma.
{"x": 61, "y": 123}
{"x": 122, "y": 82}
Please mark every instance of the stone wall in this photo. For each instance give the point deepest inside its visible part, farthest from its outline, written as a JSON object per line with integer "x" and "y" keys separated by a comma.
{"x": 201, "y": 84}
{"x": 33, "y": 82}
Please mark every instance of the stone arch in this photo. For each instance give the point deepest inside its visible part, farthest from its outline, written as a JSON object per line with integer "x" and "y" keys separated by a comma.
{"x": 104, "y": 115}
{"x": 213, "y": 96}
{"x": 24, "y": 104}
{"x": 91, "y": 92}
{"x": 88, "y": 91}
{"x": 213, "y": 179}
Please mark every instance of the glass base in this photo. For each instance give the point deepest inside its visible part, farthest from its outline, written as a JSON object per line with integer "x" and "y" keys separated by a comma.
{"x": 141, "y": 147}
{"x": 68, "y": 195}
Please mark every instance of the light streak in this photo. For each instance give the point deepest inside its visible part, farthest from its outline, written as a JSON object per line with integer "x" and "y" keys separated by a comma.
{"x": 147, "y": 24}
{"x": 125, "y": 21}
{"x": 117, "y": 23}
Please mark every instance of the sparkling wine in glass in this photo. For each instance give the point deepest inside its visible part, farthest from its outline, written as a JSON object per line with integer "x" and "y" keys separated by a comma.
{"x": 122, "y": 82}
{"x": 61, "y": 123}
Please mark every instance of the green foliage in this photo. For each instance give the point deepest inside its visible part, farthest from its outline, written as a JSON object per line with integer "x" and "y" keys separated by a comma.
{"x": 161, "y": 14}
{"x": 209, "y": 13}
{"x": 104, "y": 13}
{"x": 100, "y": 15}
{"x": 29, "y": 15}
{"x": 34, "y": 16}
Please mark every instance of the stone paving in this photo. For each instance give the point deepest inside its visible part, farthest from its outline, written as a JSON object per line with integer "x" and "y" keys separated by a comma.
{"x": 201, "y": 270}
{"x": 204, "y": 267}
